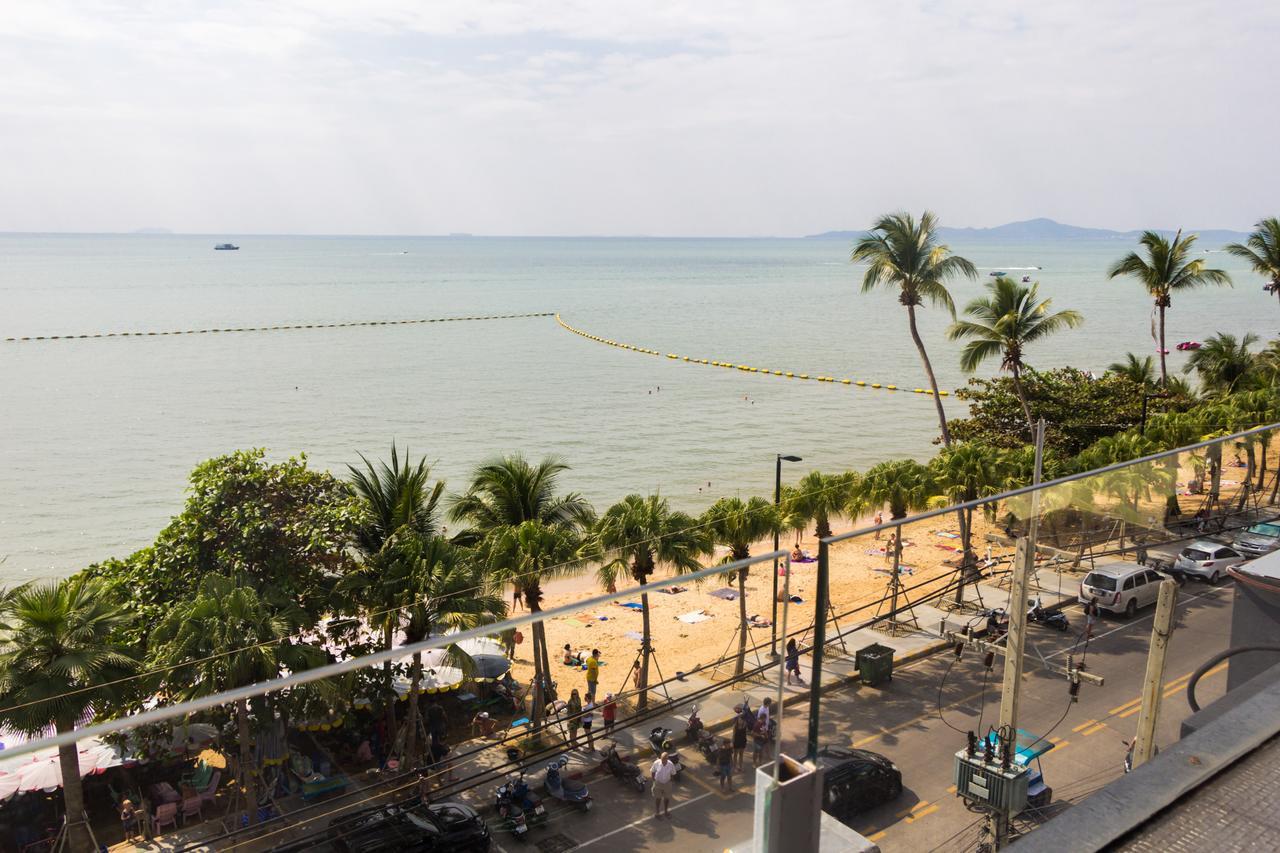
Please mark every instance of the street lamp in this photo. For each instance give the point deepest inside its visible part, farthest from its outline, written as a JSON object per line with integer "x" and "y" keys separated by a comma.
{"x": 1164, "y": 395}
{"x": 777, "y": 502}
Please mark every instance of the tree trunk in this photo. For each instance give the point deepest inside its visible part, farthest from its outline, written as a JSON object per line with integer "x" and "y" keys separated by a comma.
{"x": 742, "y": 622}
{"x": 823, "y": 529}
{"x": 1262, "y": 462}
{"x": 1164, "y": 371}
{"x": 411, "y": 735}
{"x": 78, "y": 838}
{"x": 388, "y": 639}
{"x": 248, "y": 780}
{"x": 965, "y": 517}
{"x": 642, "y": 698}
{"x": 1246, "y": 485}
{"x": 536, "y": 713}
{"x": 1022, "y": 398}
{"x": 928, "y": 370}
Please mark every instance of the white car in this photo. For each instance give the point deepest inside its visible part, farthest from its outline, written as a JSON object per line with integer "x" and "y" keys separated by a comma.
{"x": 1121, "y": 588}
{"x": 1206, "y": 559}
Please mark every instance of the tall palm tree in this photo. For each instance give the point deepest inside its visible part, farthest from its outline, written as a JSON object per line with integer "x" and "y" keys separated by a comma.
{"x": 1223, "y": 363}
{"x": 817, "y": 497}
{"x": 1163, "y": 271}
{"x": 511, "y": 490}
{"x": 736, "y": 524}
{"x": 965, "y": 473}
{"x": 59, "y": 654}
{"x": 903, "y": 484}
{"x": 638, "y": 535}
{"x": 1003, "y": 323}
{"x": 528, "y": 555}
{"x": 1262, "y": 251}
{"x": 397, "y": 500}
{"x": 1141, "y": 371}
{"x": 905, "y": 255}
{"x": 435, "y": 586}
{"x": 227, "y": 636}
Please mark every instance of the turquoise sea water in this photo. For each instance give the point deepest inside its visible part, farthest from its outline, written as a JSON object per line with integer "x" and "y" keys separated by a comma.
{"x": 97, "y": 436}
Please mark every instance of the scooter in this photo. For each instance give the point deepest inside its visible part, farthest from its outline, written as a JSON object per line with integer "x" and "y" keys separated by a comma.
{"x": 1048, "y": 618}
{"x": 694, "y": 727}
{"x": 624, "y": 770}
{"x": 510, "y": 811}
{"x": 660, "y": 739}
{"x": 569, "y": 790}
{"x": 535, "y": 814}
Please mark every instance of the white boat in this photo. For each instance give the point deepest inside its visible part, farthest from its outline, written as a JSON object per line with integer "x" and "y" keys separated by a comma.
{"x": 226, "y": 247}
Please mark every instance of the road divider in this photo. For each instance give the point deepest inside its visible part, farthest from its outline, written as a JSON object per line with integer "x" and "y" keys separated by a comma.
{"x": 746, "y": 368}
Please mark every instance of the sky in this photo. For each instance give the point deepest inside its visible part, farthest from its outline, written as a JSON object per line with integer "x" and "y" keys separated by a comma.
{"x": 633, "y": 117}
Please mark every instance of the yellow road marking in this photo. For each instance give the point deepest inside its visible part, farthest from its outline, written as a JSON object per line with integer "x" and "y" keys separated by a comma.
{"x": 879, "y": 835}
{"x": 1084, "y": 725}
{"x": 925, "y": 813}
{"x": 1059, "y": 743}
{"x": 1093, "y": 731}
{"x": 951, "y": 790}
{"x": 1117, "y": 709}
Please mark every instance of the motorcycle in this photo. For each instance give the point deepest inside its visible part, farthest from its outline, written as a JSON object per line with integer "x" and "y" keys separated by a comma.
{"x": 694, "y": 727}
{"x": 703, "y": 740}
{"x": 624, "y": 770}
{"x": 660, "y": 740}
{"x": 568, "y": 790}
{"x": 512, "y": 814}
{"x": 1048, "y": 618}
{"x": 535, "y": 814}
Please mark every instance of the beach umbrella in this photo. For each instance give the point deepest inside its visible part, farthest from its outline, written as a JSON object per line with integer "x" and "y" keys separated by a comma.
{"x": 97, "y": 757}
{"x": 489, "y": 660}
{"x": 197, "y": 732}
{"x": 43, "y": 775}
{"x": 213, "y": 758}
{"x": 9, "y": 783}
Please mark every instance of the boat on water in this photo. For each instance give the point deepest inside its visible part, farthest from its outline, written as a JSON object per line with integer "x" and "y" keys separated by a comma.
{"x": 1187, "y": 345}
{"x": 998, "y": 273}
{"x": 1026, "y": 278}
{"x": 226, "y": 247}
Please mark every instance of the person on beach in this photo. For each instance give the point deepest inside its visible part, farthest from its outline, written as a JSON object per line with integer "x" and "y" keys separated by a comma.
{"x": 879, "y": 521}
{"x": 483, "y": 723}
{"x": 793, "y": 662}
{"x": 662, "y": 771}
{"x": 129, "y": 820}
{"x": 437, "y": 720}
{"x": 609, "y": 713}
{"x": 891, "y": 547}
{"x": 724, "y": 764}
{"x": 570, "y": 659}
{"x": 573, "y": 711}
{"x": 740, "y": 730}
{"x": 593, "y": 674}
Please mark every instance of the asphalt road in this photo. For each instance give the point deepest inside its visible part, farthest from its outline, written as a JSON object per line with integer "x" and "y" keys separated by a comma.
{"x": 901, "y": 720}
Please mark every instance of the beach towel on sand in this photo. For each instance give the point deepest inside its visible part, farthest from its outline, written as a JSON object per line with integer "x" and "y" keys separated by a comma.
{"x": 726, "y": 593}
{"x": 632, "y": 605}
{"x": 634, "y": 635}
{"x": 693, "y": 617}
{"x": 946, "y": 534}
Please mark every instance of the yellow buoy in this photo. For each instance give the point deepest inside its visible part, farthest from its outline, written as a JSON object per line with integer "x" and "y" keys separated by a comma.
{"x": 891, "y": 387}
{"x": 790, "y": 375}
{"x": 942, "y": 393}
{"x": 804, "y": 376}
{"x": 845, "y": 381}
{"x": 875, "y": 384}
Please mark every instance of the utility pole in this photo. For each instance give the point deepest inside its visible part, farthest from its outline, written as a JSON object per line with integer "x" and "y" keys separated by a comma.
{"x": 1152, "y": 683}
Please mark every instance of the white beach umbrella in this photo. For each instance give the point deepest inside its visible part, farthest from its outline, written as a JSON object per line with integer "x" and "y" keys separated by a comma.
{"x": 43, "y": 775}
{"x": 9, "y": 783}
{"x": 96, "y": 757}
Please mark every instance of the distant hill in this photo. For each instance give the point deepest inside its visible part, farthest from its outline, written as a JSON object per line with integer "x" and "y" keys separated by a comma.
{"x": 1036, "y": 230}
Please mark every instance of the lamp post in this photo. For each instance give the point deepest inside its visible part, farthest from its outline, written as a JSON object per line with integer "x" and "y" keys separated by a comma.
{"x": 1164, "y": 395}
{"x": 777, "y": 502}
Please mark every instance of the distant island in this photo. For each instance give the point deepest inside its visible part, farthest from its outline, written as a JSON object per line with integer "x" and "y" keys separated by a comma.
{"x": 1033, "y": 230}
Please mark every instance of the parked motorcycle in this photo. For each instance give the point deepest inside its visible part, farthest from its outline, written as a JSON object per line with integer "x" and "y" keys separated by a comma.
{"x": 535, "y": 814}
{"x": 694, "y": 727}
{"x": 569, "y": 790}
{"x": 510, "y": 811}
{"x": 1048, "y": 618}
{"x": 624, "y": 770}
{"x": 660, "y": 739}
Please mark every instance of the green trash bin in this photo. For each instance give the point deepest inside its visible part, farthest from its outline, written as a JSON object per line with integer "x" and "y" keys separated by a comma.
{"x": 875, "y": 664}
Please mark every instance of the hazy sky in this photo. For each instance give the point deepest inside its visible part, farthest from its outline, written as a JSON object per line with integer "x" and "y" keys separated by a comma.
{"x": 638, "y": 117}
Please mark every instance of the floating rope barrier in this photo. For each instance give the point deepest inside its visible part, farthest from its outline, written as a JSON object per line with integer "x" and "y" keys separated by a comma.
{"x": 273, "y": 328}
{"x": 745, "y": 368}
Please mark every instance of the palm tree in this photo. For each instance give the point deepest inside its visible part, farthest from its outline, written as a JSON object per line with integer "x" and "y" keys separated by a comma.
{"x": 528, "y": 555}
{"x": 736, "y": 524}
{"x": 397, "y": 500}
{"x": 1262, "y": 251}
{"x": 1004, "y": 323}
{"x": 817, "y": 497}
{"x": 641, "y": 534}
{"x": 965, "y": 473}
{"x": 1164, "y": 270}
{"x": 227, "y": 636}
{"x": 1141, "y": 371}
{"x": 510, "y": 491}
{"x": 59, "y": 657}
{"x": 1222, "y": 362}
{"x": 903, "y": 484}
{"x": 906, "y": 256}
{"x": 434, "y": 585}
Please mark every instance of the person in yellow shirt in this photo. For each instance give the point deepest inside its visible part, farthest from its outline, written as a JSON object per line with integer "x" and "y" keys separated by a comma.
{"x": 593, "y": 674}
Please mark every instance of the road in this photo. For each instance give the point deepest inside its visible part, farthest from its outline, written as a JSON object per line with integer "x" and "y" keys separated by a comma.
{"x": 901, "y": 720}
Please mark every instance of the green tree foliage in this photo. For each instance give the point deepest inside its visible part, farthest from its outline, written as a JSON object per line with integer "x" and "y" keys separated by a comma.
{"x": 817, "y": 497}
{"x": 1223, "y": 363}
{"x": 60, "y": 654}
{"x": 638, "y": 535}
{"x": 903, "y": 484}
{"x": 1262, "y": 251}
{"x": 1006, "y": 321}
{"x": 905, "y": 256}
{"x": 736, "y": 524}
{"x": 1140, "y": 371}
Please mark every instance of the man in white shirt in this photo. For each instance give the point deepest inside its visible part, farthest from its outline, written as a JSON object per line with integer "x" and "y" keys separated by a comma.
{"x": 662, "y": 771}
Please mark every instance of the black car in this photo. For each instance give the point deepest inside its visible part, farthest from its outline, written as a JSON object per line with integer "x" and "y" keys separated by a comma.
{"x": 855, "y": 780}
{"x": 412, "y": 827}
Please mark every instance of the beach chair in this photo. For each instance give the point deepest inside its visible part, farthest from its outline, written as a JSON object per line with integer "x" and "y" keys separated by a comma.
{"x": 166, "y": 815}
{"x": 192, "y": 806}
{"x": 208, "y": 794}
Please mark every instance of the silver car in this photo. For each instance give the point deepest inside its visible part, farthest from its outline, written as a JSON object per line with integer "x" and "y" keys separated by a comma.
{"x": 1121, "y": 588}
{"x": 1259, "y": 539}
{"x": 1206, "y": 559}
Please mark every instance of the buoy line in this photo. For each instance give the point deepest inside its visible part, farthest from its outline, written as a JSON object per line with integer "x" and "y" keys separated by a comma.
{"x": 273, "y": 328}
{"x": 745, "y": 368}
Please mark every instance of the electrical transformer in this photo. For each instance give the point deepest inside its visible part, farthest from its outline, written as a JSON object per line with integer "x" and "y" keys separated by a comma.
{"x": 990, "y": 784}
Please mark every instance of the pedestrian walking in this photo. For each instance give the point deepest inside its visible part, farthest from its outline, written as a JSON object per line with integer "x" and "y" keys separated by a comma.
{"x": 609, "y": 713}
{"x": 879, "y": 521}
{"x": 593, "y": 674}
{"x": 724, "y": 764}
{"x": 740, "y": 730}
{"x": 588, "y": 719}
{"x": 662, "y": 771}
{"x": 573, "y": 712}
{"x": 437, "y": 720}
{"x": 793, "y": 662}
{"x": 760, "y": 735}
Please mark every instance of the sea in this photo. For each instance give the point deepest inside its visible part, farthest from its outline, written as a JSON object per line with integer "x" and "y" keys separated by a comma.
{"x": 98, "y": 435}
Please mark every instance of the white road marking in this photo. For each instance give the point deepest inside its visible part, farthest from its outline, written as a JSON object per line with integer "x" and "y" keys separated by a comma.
{"x": 644, "y": 819}
{"x": 1213, "y": 591}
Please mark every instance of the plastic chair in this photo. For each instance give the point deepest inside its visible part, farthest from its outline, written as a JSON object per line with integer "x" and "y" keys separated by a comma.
{"x": 192, "y": 806}
{"x": 166, "y": 814}
{"x": 210, "y": 792}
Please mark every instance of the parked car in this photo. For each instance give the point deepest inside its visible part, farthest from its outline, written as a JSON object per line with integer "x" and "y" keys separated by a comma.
{"x": 1262, "y": 538}
{"x": 855, "y": 780}
{"x": 1121, "y": 588}
{"x": 1206, "y": 559}
{"x": 410, "y": 826}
